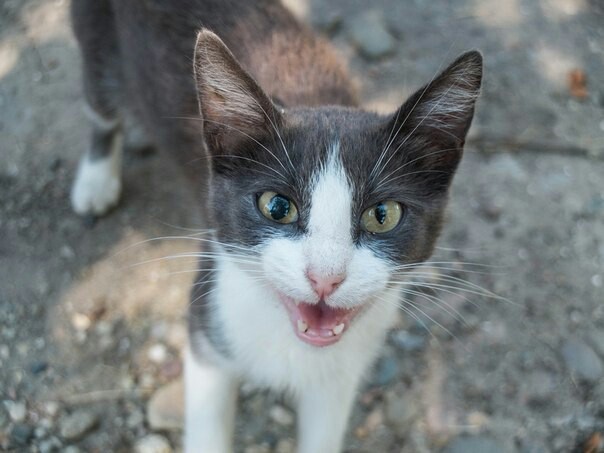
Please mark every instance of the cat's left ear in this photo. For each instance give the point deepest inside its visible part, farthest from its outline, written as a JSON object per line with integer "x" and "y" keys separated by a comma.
{"x": 233, "y": 106}
{"x": 439, "y": 115}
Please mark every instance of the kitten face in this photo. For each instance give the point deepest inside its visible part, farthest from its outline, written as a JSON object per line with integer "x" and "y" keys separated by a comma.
{"x": 358, "y": 194}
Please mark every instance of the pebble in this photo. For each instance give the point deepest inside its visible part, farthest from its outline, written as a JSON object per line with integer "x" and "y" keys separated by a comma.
{"x": 165, "y": 409}
{"x": 479, "y": 444}
{"x": 75, "y": 425}
{"x": 153, "y": 443}
{"x": 538, "y": 387}
{"x": 21, "y": 434}
{"x": 374, "y": 420}
{"x": 17, "y": 410}
{"x": 407, "y": 342}
{"x": 38, "y": 367}
{"x": 281, "y": 416}
{"x": 369, "y": 34}
{"x": 386, "y": 370}
{"x": 285, "y": 446}
{"x": 582, "y": 361}
{"x": 51, "y": 408}
{"x": 401, "y": 411}
{"x": 50, "y": 445}
{"x": 158, "y": 353}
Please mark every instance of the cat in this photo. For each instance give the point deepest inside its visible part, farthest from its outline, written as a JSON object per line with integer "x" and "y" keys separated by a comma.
{"x": 315, "y": 207}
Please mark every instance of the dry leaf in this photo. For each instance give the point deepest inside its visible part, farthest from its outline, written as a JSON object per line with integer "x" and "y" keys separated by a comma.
{"x": 577, "y": 83}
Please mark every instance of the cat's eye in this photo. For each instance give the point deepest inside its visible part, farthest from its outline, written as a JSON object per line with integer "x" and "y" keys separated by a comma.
{"x": 277, "y": 207}
{"x": 382, "y": 217}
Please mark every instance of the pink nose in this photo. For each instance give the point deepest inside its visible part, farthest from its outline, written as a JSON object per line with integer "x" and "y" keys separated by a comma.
{"x": 324, "y": 286}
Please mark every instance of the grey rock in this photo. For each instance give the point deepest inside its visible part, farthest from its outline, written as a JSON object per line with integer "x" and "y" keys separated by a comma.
{"x": 281, "y": 415}
{"x": 50, "y": 445}
{"x": 401, "y": 411}
{"x": 75, "y": 425}
{"x": 153, "y": 443}
{"x": 582, "y": 361}
{"x": 369, "y": 34}
{"x": 386, "y": 370}
{"x": 20, "y": 434}
{"x": 17, "y": 410}
{"x": 538, "y": 387}
{"x": 479, "y": 444}
{"x": 407, "y": 342}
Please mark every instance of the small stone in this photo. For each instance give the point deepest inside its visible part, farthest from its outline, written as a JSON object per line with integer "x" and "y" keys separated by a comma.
{"x": 158, "y": 353}
{"x": 374, "y": 420}
{"x": 71, "y": 449}
{"x": 285, "y": 446}
{"x": 38, "y": 367}
{"x": 369, "y": 34}
{"x": 538, "y": 387}
{"x": 80, "y": 322}
{"x": 17, "y": 410}
{"x": 135, "y": 419}
{"x": 479, "y": 444}
{"x": 328, "y": 23}
{"x": 75, "y": 425}
{"x": 401, "y": 411}
{"x": 21, "y": 434}
{"x": 386, "y": 370}
{"x": 582, "y": 361}
{"x": 51, "y": 445}
{"x": 361, "y": 432}
{"x": 166, "y": 407}
{"x": 153, "y": 443}
{"x": 281, "y": 415}
{"x": 51, "y": 408}
{"x": 407, "y": 342}
{"x": 477, "y": 420}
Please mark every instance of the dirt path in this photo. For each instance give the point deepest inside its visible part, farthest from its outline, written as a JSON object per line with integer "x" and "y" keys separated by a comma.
{"x": 91, "y": 320}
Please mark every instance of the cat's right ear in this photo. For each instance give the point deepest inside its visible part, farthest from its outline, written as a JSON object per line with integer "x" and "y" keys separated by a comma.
{"x": 234, "y": 108}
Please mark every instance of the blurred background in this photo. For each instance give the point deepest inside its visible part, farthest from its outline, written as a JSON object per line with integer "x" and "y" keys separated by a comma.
{"x": 92, "y": 313}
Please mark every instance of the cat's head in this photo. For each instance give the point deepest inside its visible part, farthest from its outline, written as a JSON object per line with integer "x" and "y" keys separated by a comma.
{"x": 331, "y": 202}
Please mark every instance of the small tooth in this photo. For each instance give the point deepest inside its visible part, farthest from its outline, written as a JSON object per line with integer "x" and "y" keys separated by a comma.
{"x": 302, "y": 327}
{"x": 338, "y": 329}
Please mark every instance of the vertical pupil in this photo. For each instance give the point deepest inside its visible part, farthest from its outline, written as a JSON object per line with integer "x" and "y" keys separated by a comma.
{"x": 278, "y": 207}
{"x": 380, "y": 213}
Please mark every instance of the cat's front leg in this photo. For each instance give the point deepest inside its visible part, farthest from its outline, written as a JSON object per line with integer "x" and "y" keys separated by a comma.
{"x": 323, "y": 414}
{"x": 210, "y": 400}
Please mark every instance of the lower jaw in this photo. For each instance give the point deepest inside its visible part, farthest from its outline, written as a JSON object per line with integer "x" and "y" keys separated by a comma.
{"x": 317, "y": 340}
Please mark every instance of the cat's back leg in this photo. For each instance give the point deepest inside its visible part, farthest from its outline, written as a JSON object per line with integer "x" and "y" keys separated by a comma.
{"x": 97, "y": 185}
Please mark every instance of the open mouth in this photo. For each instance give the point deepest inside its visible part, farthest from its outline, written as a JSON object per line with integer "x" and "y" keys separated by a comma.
{"x": 319, "y": 324}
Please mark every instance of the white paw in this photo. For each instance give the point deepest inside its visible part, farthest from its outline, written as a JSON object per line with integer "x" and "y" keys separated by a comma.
{"x": 97, "y": 186}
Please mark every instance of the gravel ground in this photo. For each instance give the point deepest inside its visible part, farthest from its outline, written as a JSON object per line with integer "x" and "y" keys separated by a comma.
{"x": 91, "y": 319}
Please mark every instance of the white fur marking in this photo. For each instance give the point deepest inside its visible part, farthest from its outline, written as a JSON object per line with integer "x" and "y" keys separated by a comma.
{"x": 211, "y": 394}
{"x": 100, "y": 122}
{"x": 329, "y": 247}
{"x": 98, "y": 182}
